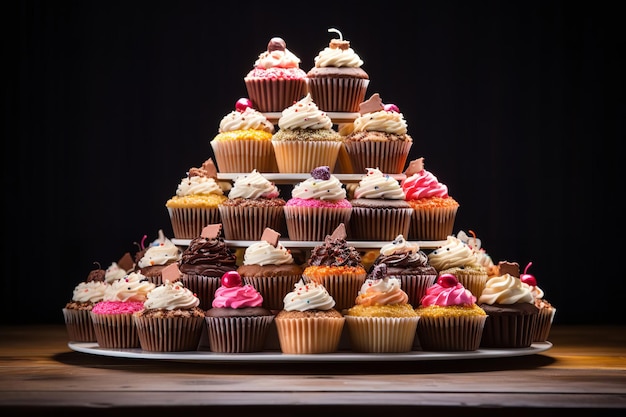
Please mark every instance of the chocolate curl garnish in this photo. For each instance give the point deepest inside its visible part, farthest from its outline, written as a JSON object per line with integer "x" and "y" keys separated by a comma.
{"x": 276, "y": 44}
{"x": 371, "y": 105}
{"x": 415, "y": 166}
{"x": 511, "y": 268}
{"x": 379, "y": 271}
{"x": 270, "y": 236}
{"x": 96, "y": 274}
{"x": 171, "y": 273}
{"x": 211, "y": 231}
{"x": 321, "y": 173}
{"x": 339, "y": 232}
{"x": 126, "y": 262}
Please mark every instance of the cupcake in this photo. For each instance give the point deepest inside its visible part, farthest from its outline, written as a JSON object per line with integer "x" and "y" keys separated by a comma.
{"x": 237, "y": 322}
{"x": 450, "y": 319}
{"x": 170, "y": 320}
{"x": 308, "y": 322}
{"x": 382, "y": 320}
{"x": 269, "y": 267}
{"x": 481, "y": 254}
{"x": 336, "y": 266}
{"x": 379, "y": 210}
{"x": 204, "y": 261}
{"x": 244, "y": 141}
{"x": 457, "y": 258}
{"x": 546, "y": 309}
{"x": 305, "y": 138}
{"x": 511, "y": 308}
{"x": 434, "y": 211}
{"x": 276, "y": 80}
{"x": 112, "y": 317}
{"x": 404, "y": 260}
{"x": 317, "y": 206}
{"x": 161, "y": 253}
{"x": 195, "y": 204}
{"x": 337, "y": 82}
{"x": 253, "y": 204}
{"x": 77, "y": 312}
{"x": 378, "y": 138}
{"x": 119, "y": 269}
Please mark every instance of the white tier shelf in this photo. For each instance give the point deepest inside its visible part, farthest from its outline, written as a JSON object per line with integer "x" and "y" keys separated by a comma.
{"x": 291, "y": 178}
{"x": 359, "y": 244}
{"x": 336, "y": 117}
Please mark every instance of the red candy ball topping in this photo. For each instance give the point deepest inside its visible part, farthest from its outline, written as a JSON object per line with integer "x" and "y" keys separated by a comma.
{"x": 528, "y": 278}
{"x": 242, "y": 104}
{"x": 231, "y": 279}
{"x": 447, "y": 281}
{"x": 391, "y": 107}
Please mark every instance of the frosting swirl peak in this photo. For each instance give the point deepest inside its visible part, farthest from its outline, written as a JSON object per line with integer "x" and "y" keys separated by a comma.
{"x": 304, "y": 114}
{"x": 308, "y": 296}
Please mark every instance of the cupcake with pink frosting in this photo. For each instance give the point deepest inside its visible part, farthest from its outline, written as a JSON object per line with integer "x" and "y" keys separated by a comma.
{"x": 434, "y": 210}
{"x": 382, "y": 320}
{"x": 450, "y": 319}
{"x": 318, "y": 205}
{"x": 112, "y": 317}
{"x": 237, "y": 322}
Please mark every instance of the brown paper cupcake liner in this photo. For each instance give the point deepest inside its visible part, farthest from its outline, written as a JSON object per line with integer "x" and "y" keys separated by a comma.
{"x": 544, "y": 324}
{"x": 379, "y": 224}
{"x": 238, "y": 334}
{"x": 187, "y": 223}
{"x": 415, "y": 286}
{"x": 303, "y": 157}
{"x": 202, "y": 286}
{"x": 450, "y": 333}
{"x": 432, "y": 224}
{"x": 79, "y": 325}
{"x": 314, "y": 224}
{"x": 176, "y": 334}
{"x": 389, "y": 157}
{"x": 338, "y": 94}
{"x": 272, "y": 95}
{"x": 309, "y": 335}
{"x": 343, "y": 288}
{"x": 115, "y": 331}
{"x": 381, "y": 334}
{"x": 509, "y": 331}
{"x": 248, "y": 223}
{"x": 244, "y": 156}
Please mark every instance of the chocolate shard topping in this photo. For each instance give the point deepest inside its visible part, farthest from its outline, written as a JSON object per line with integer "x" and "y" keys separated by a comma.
{"x": 339, "y": 232}
{"x": 171, "y": 272}
{"x": 371, "y": 105}
{"x": 511, "y": 268}
{"x": 126, "y": 262}
{"x": 212, "y": 231}
{"x": 270, "y": 236}
{"x": 414, "y": 167}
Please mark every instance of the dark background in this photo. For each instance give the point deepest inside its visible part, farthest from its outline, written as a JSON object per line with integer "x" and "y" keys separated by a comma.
{"x": 516, "y": 105}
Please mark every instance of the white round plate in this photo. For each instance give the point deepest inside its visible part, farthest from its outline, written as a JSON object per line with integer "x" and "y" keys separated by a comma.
{"x": 277, "y": 356}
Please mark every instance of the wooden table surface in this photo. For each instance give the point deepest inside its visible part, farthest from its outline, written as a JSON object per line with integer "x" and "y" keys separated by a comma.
{"x": 585, "y": 369}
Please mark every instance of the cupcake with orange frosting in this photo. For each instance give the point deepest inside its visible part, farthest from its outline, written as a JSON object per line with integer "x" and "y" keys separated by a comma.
{"x": 244, "y": 141}
{"x": 237, "y": 322}
{"x": 196, "y": 201}
{"x": 450, "y": 319}
{"x": 338, "y": 267}
{"x": 171, "y": 319}
{"x": 434, "y": 210}
{"x": 276, "y": 81}
{"x": 309, "y": 321}
{"x": 112, "y": 317}
{"x": 382, "y": 320}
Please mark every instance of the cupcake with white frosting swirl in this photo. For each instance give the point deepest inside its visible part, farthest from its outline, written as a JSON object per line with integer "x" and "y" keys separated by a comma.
{"x": 305, "y": 138}
{"x": 337, "y": 81}
{"x": 244, "y": 141}
{"x": 379, "y": 210}
{"x": 318, "y": 205}
{"x": 269, "y": 267}
{"x": 309, "y": 322}
{"x": 253, "y": 204}
{"x": 171, "y": 320}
